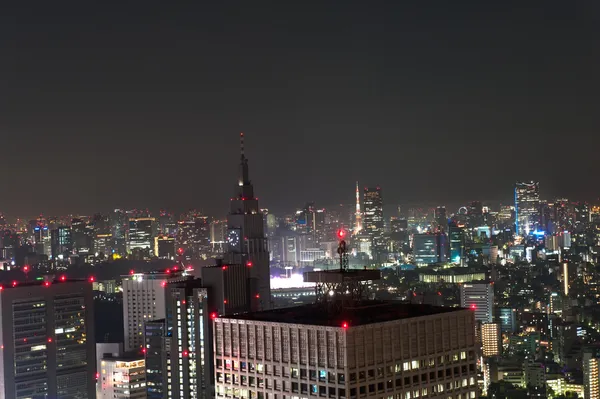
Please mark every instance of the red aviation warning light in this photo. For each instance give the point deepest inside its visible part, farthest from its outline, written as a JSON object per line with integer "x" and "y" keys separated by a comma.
{"x": 345, "y": 325}
{"x": 213, "y": 315}
{"x": 341, "y": 234}
{"x": 473, "y": 307}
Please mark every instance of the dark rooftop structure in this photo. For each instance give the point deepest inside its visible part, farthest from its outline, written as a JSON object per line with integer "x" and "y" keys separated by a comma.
{"x": 364, "y": 312}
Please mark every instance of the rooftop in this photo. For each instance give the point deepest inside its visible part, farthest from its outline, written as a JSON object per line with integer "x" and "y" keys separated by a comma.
{"x": 365, "y": 312}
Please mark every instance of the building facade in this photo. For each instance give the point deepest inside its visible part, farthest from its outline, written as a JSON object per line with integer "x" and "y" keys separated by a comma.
{"x": 122, "y": 377}
{"x": 385, "y": 351}
{"x": 373, "y": 223}
{"x": 143, "y": 300}
{"x": 47, "y": 340}
{"x": 479, "y": 298}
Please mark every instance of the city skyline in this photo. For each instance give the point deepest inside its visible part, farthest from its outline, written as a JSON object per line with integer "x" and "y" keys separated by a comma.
{"x": 125, "y": 108}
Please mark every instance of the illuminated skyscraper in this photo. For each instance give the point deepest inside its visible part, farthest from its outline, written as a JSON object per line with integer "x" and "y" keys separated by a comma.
{"x": 373, "y": 224}
{"x": 246, "y": 241}
{"x": 429, "y": 249}
{"x": 527, "y": 207}
{"x": 122, "y": 377}
{"x": 140, "y": 237}
{"x": 48, "y": 348}
{"x": 457, "y": 244}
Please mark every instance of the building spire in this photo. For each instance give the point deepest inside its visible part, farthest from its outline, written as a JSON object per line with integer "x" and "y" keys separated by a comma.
{"x": 358, "y": 216}
{"x": 242, "y": 145}
{"x": 243, "y": 178}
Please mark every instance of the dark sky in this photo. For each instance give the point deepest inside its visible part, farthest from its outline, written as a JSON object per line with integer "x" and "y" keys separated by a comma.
{"x": 140, "y": 103}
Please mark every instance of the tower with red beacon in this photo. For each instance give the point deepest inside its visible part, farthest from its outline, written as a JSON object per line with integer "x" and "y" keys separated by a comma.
{"x": 246, "y": 241}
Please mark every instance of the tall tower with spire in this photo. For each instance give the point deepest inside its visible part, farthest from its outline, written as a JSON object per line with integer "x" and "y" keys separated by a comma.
{"x": 357, "y": 215}
{"x": 246, "y": 241}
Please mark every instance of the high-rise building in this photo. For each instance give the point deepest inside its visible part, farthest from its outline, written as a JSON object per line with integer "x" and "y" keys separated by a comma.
{"x": 218, "y": 233}
{"x": 140, "y": 236}
{"x": 527, "y": 207}
{"x": 61, "y": 243}
{"x": 475, "y": 214}
{"x": 457, "y": 244}
{"x": 478, "y": 297}
{"x": 143, "y": 300}
{"x": 165, "y": 247}
{"x": 122, "y": 376}
{"x": 155, "y": 345}
{"x": 373, "y": 223}
{"x": 47, "y": 340}
{"x": 189, "y": 340}
{"x": 490, "y": 337}
{"x": 441, "y": 218}
{"x": 246, "y": 241}
{"x": 591, "y": 372}
{"x": 429, "y": 249}
{"x": 377, "y": 350}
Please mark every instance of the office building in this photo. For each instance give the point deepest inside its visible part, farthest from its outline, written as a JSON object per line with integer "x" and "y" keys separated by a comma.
{"x": 246, "y": 240}
{"x": 457, "y": 244}
{"x": 61, "y": 243}
{"x": 189, "y": 343}
{"x": 591, "y": 371}
{"x": 475, "y": 214}
{"x": 47, "y": 340}
{"x": 527, "y": 207}
{"x": 140, "y": 237}
{"x": 373, "y": 224}
{"x": 441, "y": 218}
{"x": 490, "y": 339}
{"x": 122, "y": 376}
{"x": 479, "y": 298}
{"x": 165, "y": 247}
{"x": 429, "y": 249}
{"x": 378, "y": 350}
{"x": 155, "y": 347}
{"x": 143, "y": 300}
{"x": 507, "y": 317}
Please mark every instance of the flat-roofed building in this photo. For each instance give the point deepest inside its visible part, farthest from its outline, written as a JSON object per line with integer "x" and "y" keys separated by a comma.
{"x": 370, "y": 349}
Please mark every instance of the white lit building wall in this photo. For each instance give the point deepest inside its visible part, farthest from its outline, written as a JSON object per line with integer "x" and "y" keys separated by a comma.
{"x": 479, "y": 298}
{"x": 143, "y": 300}
{"x": 432, "y": 356}
{"x": 122, "y": 379}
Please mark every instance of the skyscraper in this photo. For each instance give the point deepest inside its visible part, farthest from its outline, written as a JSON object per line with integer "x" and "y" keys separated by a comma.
{"x": 246, "y": 241}
{"x": 48, "y": 347}
{"x": 373, "y": 223}
{"x": 143, "y": 300}
{"x": 441, "y": 218}
{"x": 479, "y": 297}
{"x": 189, "y": 340}
{"x": 457, "y": 244}
{"x": 140, "y": 237}
{"x": 527, "y": 207}
{"x": 429, "y": 249}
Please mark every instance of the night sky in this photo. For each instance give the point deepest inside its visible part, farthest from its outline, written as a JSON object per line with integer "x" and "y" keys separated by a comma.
{"x": 109, "y": 104}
